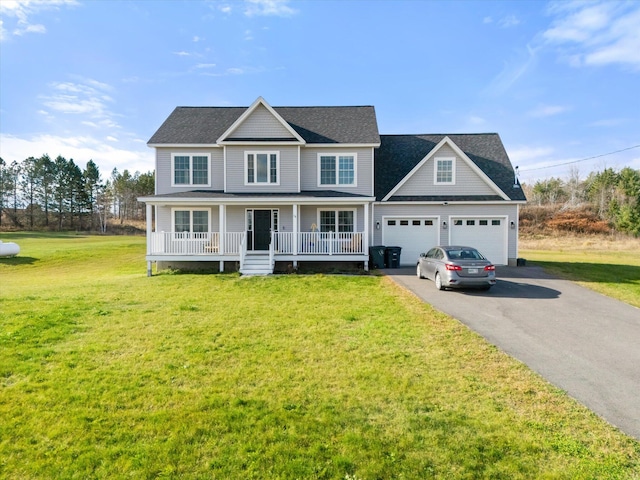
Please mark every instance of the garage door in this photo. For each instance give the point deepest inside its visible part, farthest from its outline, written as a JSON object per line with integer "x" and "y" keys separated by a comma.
{"x": 489, "y": 235}
{"x": 415, "y": 235}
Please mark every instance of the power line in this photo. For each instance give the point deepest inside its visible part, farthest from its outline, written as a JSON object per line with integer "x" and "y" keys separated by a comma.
{"x": 578, "y": 161}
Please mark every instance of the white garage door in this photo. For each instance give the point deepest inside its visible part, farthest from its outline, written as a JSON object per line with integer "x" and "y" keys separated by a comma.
{"x": 489, "y": 235}
{"x": 415, "y": 235}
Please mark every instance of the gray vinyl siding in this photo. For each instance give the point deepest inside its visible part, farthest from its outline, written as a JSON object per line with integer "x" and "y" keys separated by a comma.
{"x": 467, "y": 181}
{"x": 261, "y": 124}
{"x": 164, "y": 173}
{"x": 309, "y": 215}
{"x": 364, "y": 170}
{"x": 444, "y": 212}
{"x": 288, "y": 170}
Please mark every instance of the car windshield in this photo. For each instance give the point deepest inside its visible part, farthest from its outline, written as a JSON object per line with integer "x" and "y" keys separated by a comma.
{"x": 464, "y": 254}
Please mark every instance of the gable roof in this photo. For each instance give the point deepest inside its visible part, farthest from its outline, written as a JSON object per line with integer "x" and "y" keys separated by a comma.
{"x": 334, "y": 125}
{"x": 260, "y": 102}
{"x": 400, "y": 154}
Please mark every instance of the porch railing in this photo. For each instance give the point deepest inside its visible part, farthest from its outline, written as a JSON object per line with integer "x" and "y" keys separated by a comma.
{"x": 208, "y": 243}
{"x": 184, "y": 243}
{"x": 320, "y": 243}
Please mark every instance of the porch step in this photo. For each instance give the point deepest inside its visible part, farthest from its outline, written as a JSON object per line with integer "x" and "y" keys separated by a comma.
{"x": 256, "y": 265}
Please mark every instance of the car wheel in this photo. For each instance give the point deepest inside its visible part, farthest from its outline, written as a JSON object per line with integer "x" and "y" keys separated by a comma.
{"x": 419, "y": 272}
{"x": 438, "y": 282}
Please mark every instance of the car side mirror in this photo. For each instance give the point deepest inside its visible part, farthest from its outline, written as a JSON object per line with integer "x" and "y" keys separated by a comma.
{"x": 422, "y": 255}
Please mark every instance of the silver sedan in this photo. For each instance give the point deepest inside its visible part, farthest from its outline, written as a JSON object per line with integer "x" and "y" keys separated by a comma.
{"x": 456, "y": 266}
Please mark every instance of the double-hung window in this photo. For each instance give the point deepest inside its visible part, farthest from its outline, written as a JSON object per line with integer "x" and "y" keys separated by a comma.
{"x": 262, "y": 168}
{"x": 337, "y": 169}
{"x": 336, "y": 220}
{"x": 186, "y": 222}
{"x": 190, "y": 169}
{"x": 445, "y": 171}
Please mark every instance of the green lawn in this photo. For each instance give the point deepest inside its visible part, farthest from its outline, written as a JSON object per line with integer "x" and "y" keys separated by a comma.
{"x": 105, "y": 373}
{"x": 603, "y": 268}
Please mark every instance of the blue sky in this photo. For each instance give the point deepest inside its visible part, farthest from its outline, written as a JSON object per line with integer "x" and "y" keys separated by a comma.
{"x": 559, "y": 81}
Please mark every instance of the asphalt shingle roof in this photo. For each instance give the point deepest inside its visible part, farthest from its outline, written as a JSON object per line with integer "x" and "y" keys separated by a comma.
{"x": 204, "y": 125}
{"x": 398, "y": 154}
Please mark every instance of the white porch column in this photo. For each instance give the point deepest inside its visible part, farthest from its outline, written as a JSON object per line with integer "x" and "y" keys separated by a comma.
{"x": 295, "y": 229}
{"x": 149, "y": 235}
{"x": 149, "y": 227}
{"x": 365, "y": 240}
{"x": 222, "y": 211}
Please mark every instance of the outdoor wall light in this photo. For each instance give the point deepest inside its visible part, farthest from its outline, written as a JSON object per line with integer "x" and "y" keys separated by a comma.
{"x": 377, "y": 225}
{"x": 444, "y": 225}
{"x": 513, "y": 225}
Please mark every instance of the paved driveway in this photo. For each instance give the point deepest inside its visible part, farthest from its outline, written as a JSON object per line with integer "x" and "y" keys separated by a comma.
{"x": 582, "y": 342}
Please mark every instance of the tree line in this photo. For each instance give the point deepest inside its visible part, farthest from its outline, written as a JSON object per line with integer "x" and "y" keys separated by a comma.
{"x": 57, "y": 194}
{"x": 613, "y": 196}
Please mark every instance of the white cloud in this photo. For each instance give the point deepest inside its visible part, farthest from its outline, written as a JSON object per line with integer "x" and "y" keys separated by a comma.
{"x": 89, "y": 99}
{"x": 19, "y": 12}
{"x": 509, "y": 21}
{"x": 30, "y": 29}
{"x": 526, "y": 154}
{"x": 278, "y": 8}
{"x": 547, "y": 111}
{"x": 81, "y": 149}
{"x": 596, "y": 33}
{"x": 609, "y": 122}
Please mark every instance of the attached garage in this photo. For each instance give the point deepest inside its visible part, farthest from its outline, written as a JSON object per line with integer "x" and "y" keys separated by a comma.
{"x": 414, "y": 234}
{"x": 487, "y": 234}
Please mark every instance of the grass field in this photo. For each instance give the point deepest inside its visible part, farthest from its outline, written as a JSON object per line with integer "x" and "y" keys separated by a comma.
{"x": 605, "y": 264}
{"x": 105, "y": 373}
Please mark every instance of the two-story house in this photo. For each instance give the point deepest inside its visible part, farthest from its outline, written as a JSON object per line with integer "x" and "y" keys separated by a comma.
{"x": 259, "y": 186}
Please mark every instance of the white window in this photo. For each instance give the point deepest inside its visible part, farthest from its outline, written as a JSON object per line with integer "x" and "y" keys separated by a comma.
{"x": 337, "y": 169}
{"x": 191, "y": 221}
{"x": 337, "y": 220}
{"x": 445, "y": 171}
{"x": 262, "y": 168}
{"x": 190, "y": 169}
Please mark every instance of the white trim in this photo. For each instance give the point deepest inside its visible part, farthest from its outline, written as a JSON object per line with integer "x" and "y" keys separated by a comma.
{"x": 459, "y": 153}
{"x": 190, "y": 210}
{"x": 299, "y": 172}
{"x": 224, "y": 169}
{"x": 255, "y": 153}
{"x": 190, "y": 155}
{"x": 373, "y": 171}
{"x": 199, "y": 201}
{"x": 436, "y": 161}
{"x": 337, "y": 156}
{"x": 249, "y": 111}
{"x": 336, "y": 210}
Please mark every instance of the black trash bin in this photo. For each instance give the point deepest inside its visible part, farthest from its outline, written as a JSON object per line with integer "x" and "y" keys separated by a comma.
{"x": 392, "y": 256}
{"x": 377, "y": 256}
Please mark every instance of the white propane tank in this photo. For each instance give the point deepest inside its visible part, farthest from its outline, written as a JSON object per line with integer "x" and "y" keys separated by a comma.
{"x": 9, "y": 249}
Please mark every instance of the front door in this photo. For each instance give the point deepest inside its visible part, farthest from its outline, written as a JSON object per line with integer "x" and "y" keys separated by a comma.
{"x": 261, "y": 230}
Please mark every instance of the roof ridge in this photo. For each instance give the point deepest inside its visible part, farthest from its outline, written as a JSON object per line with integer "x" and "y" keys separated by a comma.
{"x": 280, "y": 106}
{"x": 434, "y": 134}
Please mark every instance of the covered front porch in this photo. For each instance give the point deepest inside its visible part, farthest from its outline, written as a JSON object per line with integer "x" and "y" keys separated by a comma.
{"x": 264, "y": 230}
